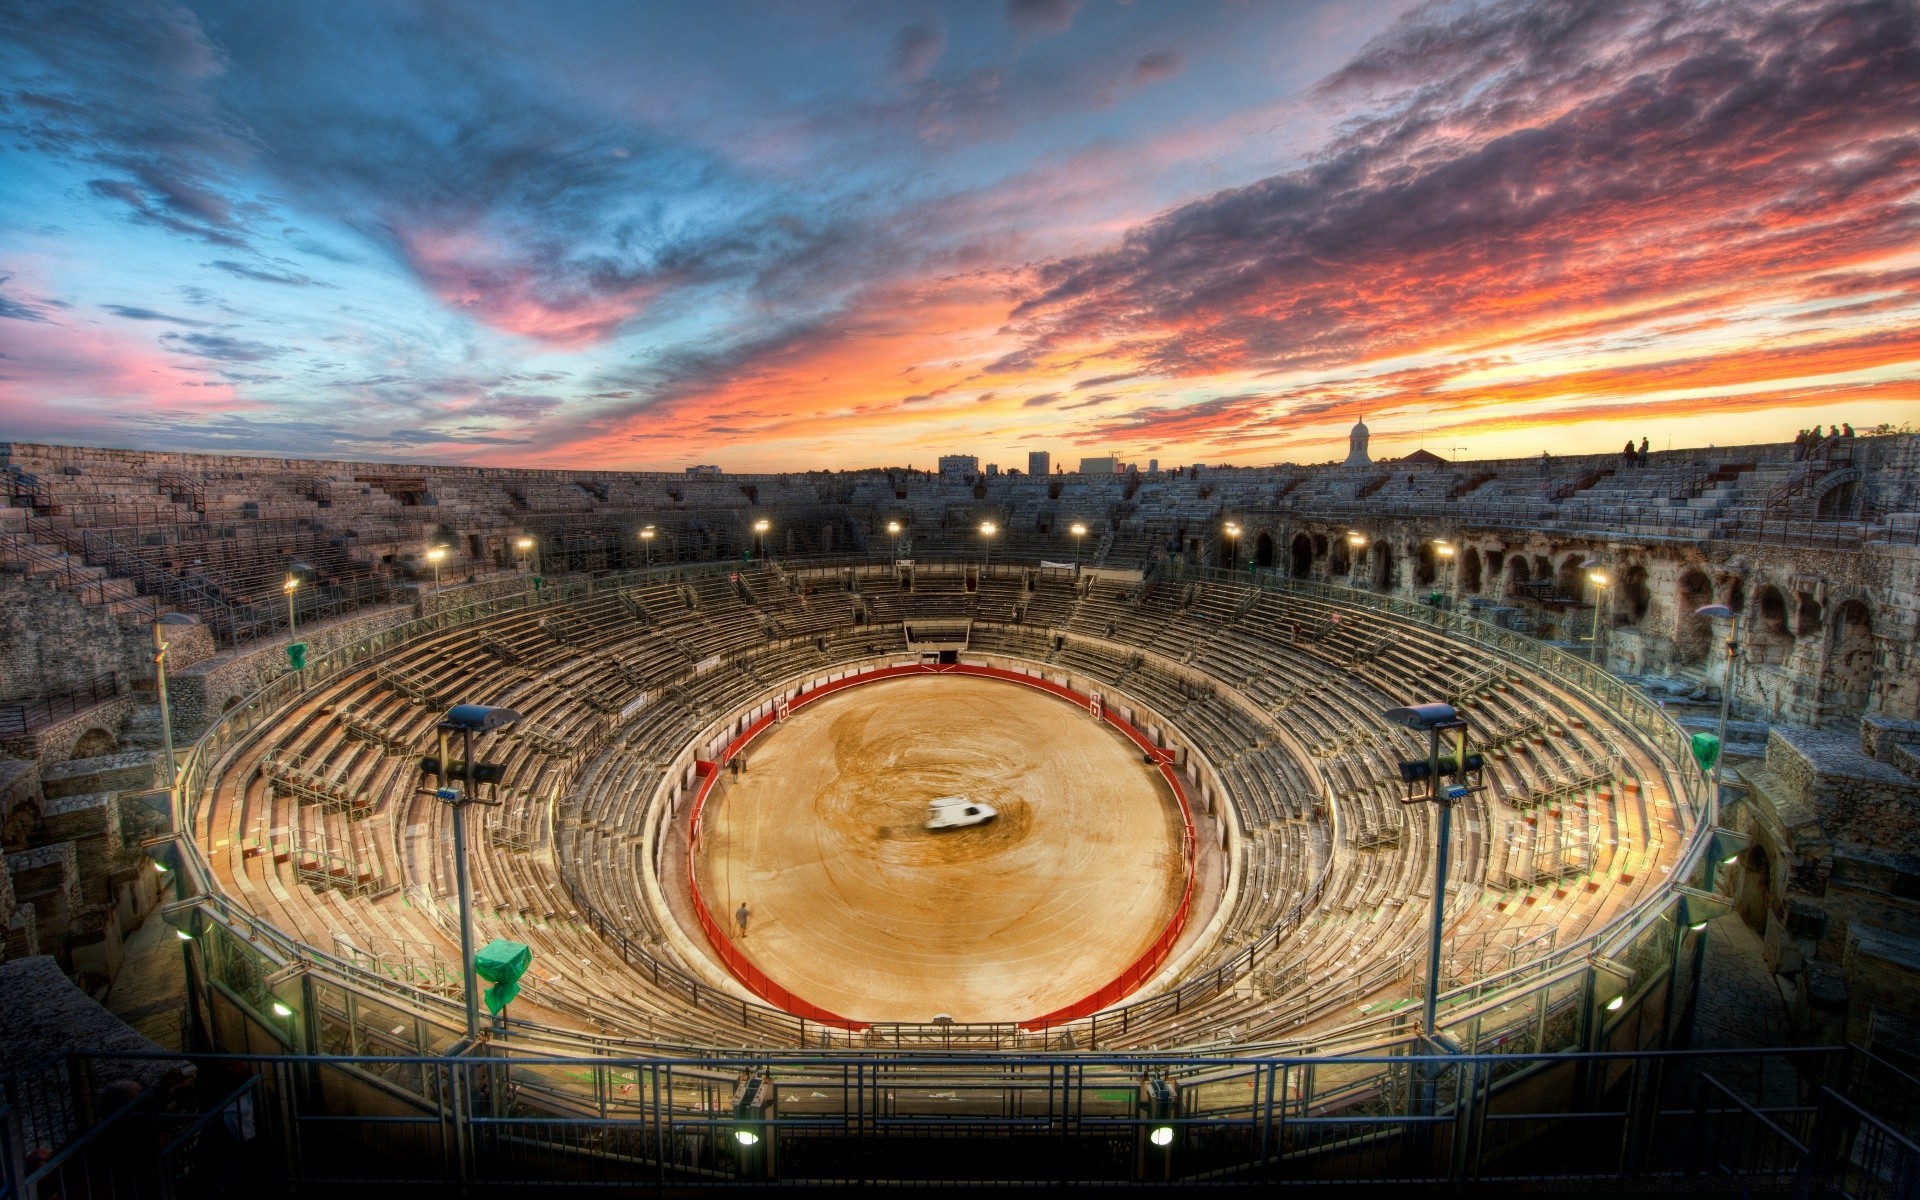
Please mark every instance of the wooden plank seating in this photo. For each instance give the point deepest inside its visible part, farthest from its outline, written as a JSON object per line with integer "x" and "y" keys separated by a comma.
{"x": 324, "y": 831}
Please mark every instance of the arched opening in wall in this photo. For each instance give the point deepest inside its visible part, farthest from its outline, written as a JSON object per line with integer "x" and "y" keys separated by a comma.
{"x": 1340, "y": 563}
{"x": 1692, "y": 633}
{"x": 1569, "y": 581}
{"x": 1635, "y": 597}
{"x": 1772, "y": 639}
{"x": 1424, "y": 565}
{"x": 1848, "y": 679}
{"x": 1517, "y": 573}
{"x": 1470, "y": 571}
{"x": 1737, "y": 596}
{"x": 1806, "y": 616}
{"x": 1263, "y": 552}
{"x": 1302, "y": 556}
{"x": 232, "y": 702}
{"x": 94, "y": 743}
{"x": 1542, "y": 569}
{"x": 1383, "y": 565}
{"x": 1838, "y": 504}
{"x": 1319, "y": 545}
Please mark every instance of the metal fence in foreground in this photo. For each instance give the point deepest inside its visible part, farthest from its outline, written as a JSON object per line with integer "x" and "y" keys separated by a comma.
{"x": 1820, "y": 1121}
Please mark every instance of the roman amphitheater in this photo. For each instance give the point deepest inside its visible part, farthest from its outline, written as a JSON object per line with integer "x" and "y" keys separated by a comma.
{"x": 1193, "y": 943}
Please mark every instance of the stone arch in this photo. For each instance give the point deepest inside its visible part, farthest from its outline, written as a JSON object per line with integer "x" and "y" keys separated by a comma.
{"x": 1383, "y": 565}
{"x": 1847, "y": 679}
{"x": 1806, "y": 616}
{"x": 1263, "y": 551}
{"x": 1542, "y": 568}
{"x": 1837, "y": 495}
{"x": 1340, "y": 561}
{"x": 1692, "y": 633}
{"x": 1568, "y": 580}
{"x": 94, "y": 743}
{"x": 232, "y": 702}
{"x": 1635, "y": 599}
{"x": 1301, "y": 556}
{"x": 1470, "y": 570}
{"x": 1426, "y": 565}
{"x": 1771, "y": 639}
{"x": 1518, "y": 576}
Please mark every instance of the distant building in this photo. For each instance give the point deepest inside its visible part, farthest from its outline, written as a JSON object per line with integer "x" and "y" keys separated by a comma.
{"x": 1039, "y": 462}
{"x": 959, "y": 464}
{"x": 704, "y": 469}
{"x": 1153, "y": 466}
{"x": 1425, "y": 458}
{"x": 1357, "y": 446}
{"x": 1099, "y": 466}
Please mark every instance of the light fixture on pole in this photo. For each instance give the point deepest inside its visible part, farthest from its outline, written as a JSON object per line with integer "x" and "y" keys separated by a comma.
{"x": 466, "y": 720}
{"x": 987, "y": 530}
{"x": 1435, "y": 720}
{"x": 893, "y": 531}
{"x": 1612, "y": 982}
{"x": 1446, "y": 551}
{"x": 1232, "y": 532}
{"x": 1723, "y": 612}
{"x": 760, "y": 528}
{"x": 646, "y": 542}
{"x": 1600, "y": 581}
{"x": 1724, "y": 848}
{"x": 524, "y": 545}
{"x": 291, "y": 586}
{"x": 436, "y": 556}
{"x": 1079, "y": 530}
{"x": 160, "y": 645}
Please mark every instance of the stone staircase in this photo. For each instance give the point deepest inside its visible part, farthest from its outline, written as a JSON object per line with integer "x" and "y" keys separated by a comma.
{"x": 53, "y": 566}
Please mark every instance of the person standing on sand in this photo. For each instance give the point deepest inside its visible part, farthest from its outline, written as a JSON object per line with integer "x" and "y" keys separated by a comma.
{"x": 740, "y": 916}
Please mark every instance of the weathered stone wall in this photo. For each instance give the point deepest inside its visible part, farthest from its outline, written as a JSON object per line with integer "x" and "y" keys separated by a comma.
{"x": 432, "y": 601}
{"x": 1841, "y": 642}
{"x": 200, "y": 693}
{"x": 50, "y": 642}
{"x": 97, "y": 724}
{"x": 1837, "y": 849}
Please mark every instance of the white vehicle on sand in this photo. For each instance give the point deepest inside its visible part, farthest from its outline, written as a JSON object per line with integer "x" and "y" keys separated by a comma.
{"x": 958, "y": 812}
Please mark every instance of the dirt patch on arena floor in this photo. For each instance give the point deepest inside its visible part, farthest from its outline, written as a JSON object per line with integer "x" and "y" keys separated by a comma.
{"x": 859, "y": 908}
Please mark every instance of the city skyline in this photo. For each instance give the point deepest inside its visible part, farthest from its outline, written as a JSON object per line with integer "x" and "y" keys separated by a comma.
{"x": 836, "y": 235}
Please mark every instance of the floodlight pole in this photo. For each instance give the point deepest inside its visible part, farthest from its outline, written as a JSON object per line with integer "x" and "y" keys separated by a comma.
{"x": 166, "y": 723}
{"x": 1444, "y": 836}
{"x": 462, "y": 883}
{"x": 1726, "y": 701}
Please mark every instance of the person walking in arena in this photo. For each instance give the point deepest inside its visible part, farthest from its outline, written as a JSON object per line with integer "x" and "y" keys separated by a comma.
{"x": 740, "y": 916}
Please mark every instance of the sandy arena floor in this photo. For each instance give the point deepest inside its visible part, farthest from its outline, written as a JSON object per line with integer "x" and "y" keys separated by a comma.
{"x": 860, "y": 909}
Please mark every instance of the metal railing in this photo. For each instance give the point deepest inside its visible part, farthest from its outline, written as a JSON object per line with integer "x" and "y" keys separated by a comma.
{"x": 19, "y": 717}
{"x": 520, "y": 1120}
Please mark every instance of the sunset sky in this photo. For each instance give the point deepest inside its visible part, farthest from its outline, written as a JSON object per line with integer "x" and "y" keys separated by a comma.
{"x": 828, "y": 233}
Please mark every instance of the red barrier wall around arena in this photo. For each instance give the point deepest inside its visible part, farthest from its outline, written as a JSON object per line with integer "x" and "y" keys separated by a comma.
{"x": 1127, "y": 982}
